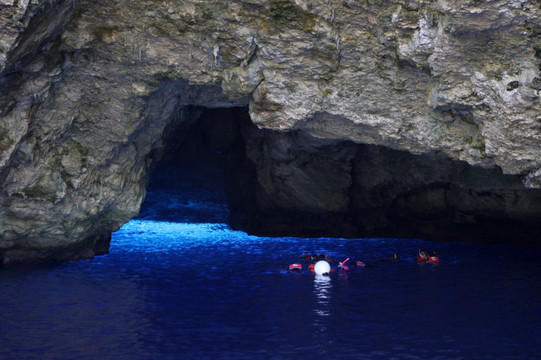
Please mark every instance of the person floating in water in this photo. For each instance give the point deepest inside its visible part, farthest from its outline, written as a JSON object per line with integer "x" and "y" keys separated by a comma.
{"x": 314, "y": 257}
{"x": 342, "y": 265}
{"x": 423, "y": 256}
{"x": 295, "y": 267}
{"x": 352, "y": 265}
{"x": 360, "y": 263}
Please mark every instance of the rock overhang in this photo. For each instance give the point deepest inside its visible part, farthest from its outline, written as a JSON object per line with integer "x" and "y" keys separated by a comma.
{"x": 449, "y": 78}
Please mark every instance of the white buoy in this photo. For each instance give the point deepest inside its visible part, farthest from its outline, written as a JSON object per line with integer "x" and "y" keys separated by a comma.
{"x": 322, "y": 267}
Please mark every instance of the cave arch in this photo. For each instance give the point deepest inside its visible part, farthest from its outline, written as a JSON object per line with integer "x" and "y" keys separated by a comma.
{"x": 294, "y": 184}
{"x": 89, "y": 87}
{"x": 189, "y": 182}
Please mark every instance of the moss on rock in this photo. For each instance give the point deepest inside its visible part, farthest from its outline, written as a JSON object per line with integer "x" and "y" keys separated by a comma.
{"x": 287, "y": 14}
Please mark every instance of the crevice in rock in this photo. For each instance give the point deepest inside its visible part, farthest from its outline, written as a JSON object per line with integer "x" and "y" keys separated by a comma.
{"x": 56, "y": 14}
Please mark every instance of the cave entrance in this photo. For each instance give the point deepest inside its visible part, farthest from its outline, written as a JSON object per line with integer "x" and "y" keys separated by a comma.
{"x": 188, "y": 182}
{"x": 295, "y": 184}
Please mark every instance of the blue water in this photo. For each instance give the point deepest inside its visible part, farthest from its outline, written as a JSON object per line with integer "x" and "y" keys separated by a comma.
{"x": 179, "y": 284}
{"x": 202, "y": 291}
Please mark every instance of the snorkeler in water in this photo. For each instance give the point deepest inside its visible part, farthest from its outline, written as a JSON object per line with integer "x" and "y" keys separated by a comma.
{"x": 315, "y": 257}
{"x": 423, "y": 256}
{"x": 342, "y": 265}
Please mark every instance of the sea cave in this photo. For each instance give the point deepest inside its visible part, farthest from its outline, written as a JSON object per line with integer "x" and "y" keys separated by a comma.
{"x": 344, "y": 119}
{"x": 271, "y": 183}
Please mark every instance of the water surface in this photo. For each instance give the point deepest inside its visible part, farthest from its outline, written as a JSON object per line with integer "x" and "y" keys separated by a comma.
{"x": 202, "y": 291}
{"x": 179, "y": 284}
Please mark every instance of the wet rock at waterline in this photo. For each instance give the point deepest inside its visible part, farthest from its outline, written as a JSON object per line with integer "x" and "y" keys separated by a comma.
{"x": 90, "y": 90}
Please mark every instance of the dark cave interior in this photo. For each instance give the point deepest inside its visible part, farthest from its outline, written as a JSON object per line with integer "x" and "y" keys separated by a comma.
{"x": 188, "y": 181}
{"x": 218, "y": 167}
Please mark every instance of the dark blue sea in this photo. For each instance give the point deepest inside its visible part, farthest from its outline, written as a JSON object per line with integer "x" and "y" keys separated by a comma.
{"x": 202, "y": 291}
{"x": 190, "y": 289}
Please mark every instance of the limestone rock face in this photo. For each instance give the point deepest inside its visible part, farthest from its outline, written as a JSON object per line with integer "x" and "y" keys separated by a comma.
{"x": 300, "y": 184}
{"x": 88, "y": 89}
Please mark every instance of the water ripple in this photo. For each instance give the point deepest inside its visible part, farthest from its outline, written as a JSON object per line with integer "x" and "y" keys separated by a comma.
{"x": 200, "y": 291}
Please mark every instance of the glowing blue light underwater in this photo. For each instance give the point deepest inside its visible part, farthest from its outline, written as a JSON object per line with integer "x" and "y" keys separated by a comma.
{"x": 163, "y": 235}
{"x": 167, "y": 229}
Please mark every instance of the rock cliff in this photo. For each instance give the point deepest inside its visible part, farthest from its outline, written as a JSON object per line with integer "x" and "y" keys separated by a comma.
{"x": 90, "y": 90}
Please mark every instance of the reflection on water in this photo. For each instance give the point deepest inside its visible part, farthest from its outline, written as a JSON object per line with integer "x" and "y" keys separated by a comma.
{"x": 322, "y": 308}
{"x": 322, "y": 290}
{"x": 203, "y": 291}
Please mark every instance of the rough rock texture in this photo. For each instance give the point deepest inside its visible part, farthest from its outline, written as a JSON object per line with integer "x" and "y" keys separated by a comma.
{"x": 296, "y": 183}
{"x": 88, "y": 89}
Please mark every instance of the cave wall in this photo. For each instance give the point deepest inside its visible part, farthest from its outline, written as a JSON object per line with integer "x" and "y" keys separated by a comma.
{"x": 304, "y": 186}
{"x": 459, "y": 77}
{"x": 89, "y": 89}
